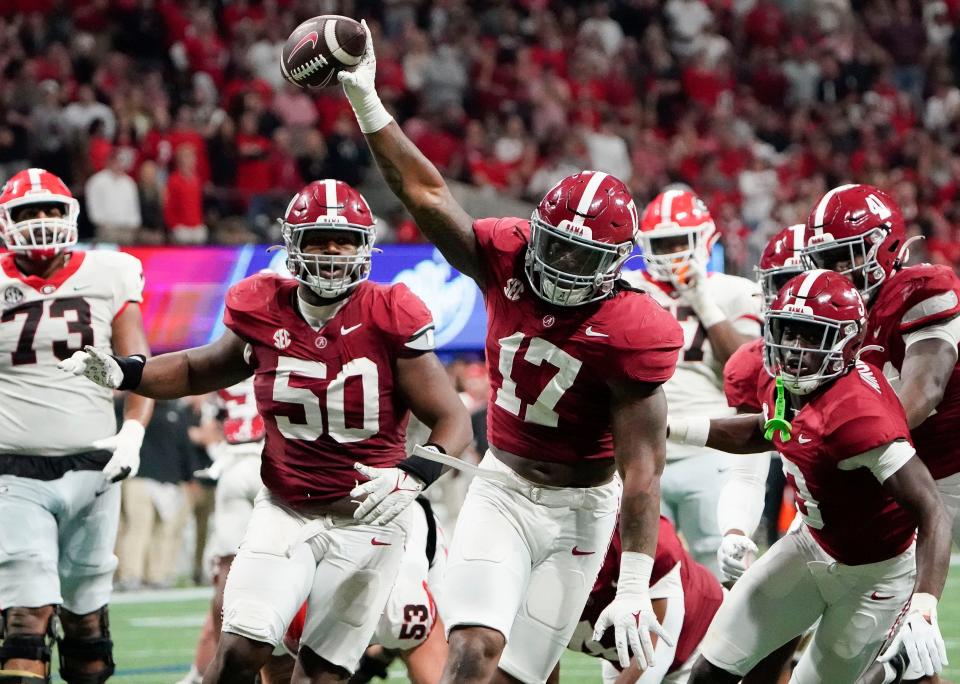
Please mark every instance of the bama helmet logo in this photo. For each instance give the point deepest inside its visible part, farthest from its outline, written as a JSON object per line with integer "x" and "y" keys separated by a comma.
{"x": 449, "y": 295}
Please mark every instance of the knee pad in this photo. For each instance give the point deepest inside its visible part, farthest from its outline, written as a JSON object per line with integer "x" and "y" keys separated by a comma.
{"x": 17, "y": 645}
{"x": 76, "y": 651}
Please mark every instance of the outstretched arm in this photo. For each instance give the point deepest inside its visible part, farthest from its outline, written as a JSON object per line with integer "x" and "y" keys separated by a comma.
{"x": 411, "y": 176}
{"x": 741, "y": 434}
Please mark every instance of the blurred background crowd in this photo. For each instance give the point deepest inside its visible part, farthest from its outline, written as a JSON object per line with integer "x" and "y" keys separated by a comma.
{"x": 172, "y": 122}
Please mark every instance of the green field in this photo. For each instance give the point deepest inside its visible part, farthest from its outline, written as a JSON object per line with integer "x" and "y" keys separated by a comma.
{"x": 155, "y": 638}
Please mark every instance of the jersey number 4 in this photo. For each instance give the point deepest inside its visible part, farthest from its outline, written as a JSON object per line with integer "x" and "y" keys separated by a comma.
{"x": 539, "y": 351}
{"x": 32, "y": 312}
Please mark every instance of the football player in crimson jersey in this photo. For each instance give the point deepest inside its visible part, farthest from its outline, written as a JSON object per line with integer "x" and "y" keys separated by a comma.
{"x": 576, "y": 361}
{"x": 336, "y": 362}
{"x": 856, "y": 563}
{"x": 718, "y": 314}
{"x": 913, "y": 325}
{"x": 685, "y": 598}
{"x": 59, "y": 509}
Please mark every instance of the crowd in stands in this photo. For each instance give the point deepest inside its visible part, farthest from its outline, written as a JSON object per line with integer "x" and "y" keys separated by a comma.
{"x": 172, "y": 119}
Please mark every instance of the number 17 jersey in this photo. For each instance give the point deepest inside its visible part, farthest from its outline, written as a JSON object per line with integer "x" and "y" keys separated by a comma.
{"x": 550, "y": 367}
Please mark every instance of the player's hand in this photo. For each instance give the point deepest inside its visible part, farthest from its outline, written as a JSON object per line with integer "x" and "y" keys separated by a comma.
{"x": 389, "y": 492}
{"x": 125, "y": 446}
{"x": 920, "y": 637}
{"x": 690, "y": 282}
{"x": 112, "y": 372}
{"x": 632, "y": 618}
{"x": 735, "y": 555}
{"x": 360, "y": 88}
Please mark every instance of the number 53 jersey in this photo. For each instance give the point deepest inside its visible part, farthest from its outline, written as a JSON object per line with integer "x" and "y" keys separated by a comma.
{"x": 550, "y": 366}
{"x": 696, "y": 389}
{"x": 44, "y": 411}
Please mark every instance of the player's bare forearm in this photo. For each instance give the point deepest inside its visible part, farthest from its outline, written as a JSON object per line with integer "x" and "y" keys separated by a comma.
{"x": 434, "y": 401}
{"x": 639, "y": 424}
{"x": 421, "y": 188}
{"x": 726, "y": 339}
{"x": 129, "y": 338}
{"x": 742, "y": 434}
{"x": 195, "y": 371}
{"x": 927, "y": 368}
{"x": 914, "y": 489}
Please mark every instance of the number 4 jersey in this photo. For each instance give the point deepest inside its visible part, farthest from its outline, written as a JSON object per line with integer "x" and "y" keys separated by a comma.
{"x": 328, "y": 397}
{"x": 44, "y": 411}
{"x": 550, "y": 366}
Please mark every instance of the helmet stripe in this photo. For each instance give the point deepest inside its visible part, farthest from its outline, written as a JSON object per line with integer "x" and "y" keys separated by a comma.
{"x": 586, "y": 199}
{"x": 666, "y": 204}
{"x": 330, "y": 186}
{"x": 822, "y": 207}
{"x": 36, "y": 180}
{"x": 798, "y": 234}
{"x": 804, "y": 290}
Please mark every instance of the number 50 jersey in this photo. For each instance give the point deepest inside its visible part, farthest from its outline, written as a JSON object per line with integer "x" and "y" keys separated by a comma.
{"x": 44, "y": 411}
{"x": 550, "y": 366}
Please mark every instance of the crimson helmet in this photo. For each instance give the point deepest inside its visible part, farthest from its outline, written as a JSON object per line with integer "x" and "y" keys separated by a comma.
{"x": 38, "y": 238}
{"x": 676, "y": 216}
{"x": 781, "y": 260}
{"x": 581, "y": 233}
{"x": 329, "y": 205}
{"x": 814, "y": 328}
{"x": 856, "y": 230}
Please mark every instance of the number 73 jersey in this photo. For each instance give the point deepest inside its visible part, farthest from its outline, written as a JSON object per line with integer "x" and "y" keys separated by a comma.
{"x": 551, "y": 367}
{"x": 44, "y": 411}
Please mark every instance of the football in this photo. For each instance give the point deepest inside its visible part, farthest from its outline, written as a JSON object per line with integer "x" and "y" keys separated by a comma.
{"x": 321, "y": 46}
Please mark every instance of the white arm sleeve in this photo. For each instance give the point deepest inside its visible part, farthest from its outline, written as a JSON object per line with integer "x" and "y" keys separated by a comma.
{"x": 883, "y": 461}
{"x": 948, "y": 331}
{"x": 741, "y": 499}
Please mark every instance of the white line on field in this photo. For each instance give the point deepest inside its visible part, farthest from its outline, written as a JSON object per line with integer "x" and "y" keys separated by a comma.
{"x": 163, "y": 595}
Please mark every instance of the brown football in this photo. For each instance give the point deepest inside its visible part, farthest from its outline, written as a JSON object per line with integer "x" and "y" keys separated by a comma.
{"x": 321, "y": 46}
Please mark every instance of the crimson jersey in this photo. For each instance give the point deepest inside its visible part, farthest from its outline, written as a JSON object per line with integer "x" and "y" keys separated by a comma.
{"x": 328, "y": 397}
{"x": 241, "y": 422}
{"x": 741, "y": 374}
{"x": 550, "y": 366}
{"x": 702, "y": 596}
{"x": 846, "y": 508}
{"x": 897, "y": 311}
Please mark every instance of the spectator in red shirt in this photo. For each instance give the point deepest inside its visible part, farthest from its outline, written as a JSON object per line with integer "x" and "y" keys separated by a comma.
{"x": 183, "y": 201}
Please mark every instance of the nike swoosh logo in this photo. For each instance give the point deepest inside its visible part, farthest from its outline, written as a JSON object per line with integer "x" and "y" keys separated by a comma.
{"x": 347, "y": 331}
{"x": 593, "y": 333}
{"x": 578, "y": 552}
{"x": 804, "y": 440}
{"x": 877, "y": 597}
{"x": 311, "y": 38}
{"x": 377, "y": 542}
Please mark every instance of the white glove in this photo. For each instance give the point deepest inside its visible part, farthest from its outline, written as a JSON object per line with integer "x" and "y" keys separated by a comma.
{"x": 690, "y": 282}
{"x": 359, "y": 85}
{"x": 95, "y": 365}
{"x": 389, "y": 492}
{"x": 920, "y": 637}
{"x": 125, "y": 446}
{"x": 631, "y": 613}
{"x": 735, "y": 555}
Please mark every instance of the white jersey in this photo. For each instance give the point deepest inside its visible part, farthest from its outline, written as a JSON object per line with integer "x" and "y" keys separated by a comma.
{"x": 243, "y": 427}
{"x": 44, "y": 411}
{"x": 696, "y": 389}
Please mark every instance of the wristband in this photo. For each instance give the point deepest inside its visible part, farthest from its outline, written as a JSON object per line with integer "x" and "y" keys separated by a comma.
{"x": 132, "y": 369}
{"x": 424, "y": 469}
{"x": 370, "y": 112}
{"x": 635, "y": 570}
{"x": 708, "y": 312}
{"x": 690, "y": 431}
{"x": 925, "y": 604}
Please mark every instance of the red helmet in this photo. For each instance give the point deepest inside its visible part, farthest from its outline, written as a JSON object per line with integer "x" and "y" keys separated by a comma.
{"x": 781, "y": 260}
{"x": 676, "y": 228}
{"x": 814, "y": 329}
{"x": 856, "y": 230}
{"x": 329, "y": 205}
{"x": 581, "y": 233}
{"x": 39, "y": 238}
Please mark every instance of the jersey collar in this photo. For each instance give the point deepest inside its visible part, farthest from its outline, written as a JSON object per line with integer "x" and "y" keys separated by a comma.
{"x": 42, "y": 285}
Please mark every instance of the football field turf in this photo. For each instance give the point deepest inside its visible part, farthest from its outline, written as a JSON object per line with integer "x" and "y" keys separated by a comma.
{"x": 155, "y": 635}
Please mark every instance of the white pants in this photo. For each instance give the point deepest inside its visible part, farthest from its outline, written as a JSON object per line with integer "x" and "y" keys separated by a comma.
{"x": 788, "y": 589}
{"x": 523, "y": 560}
{"x": 237, "y": 488}
{"x": 689, "y": 493}
{"x": 342, "y": 569}
{"x": 56, "y": 541}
